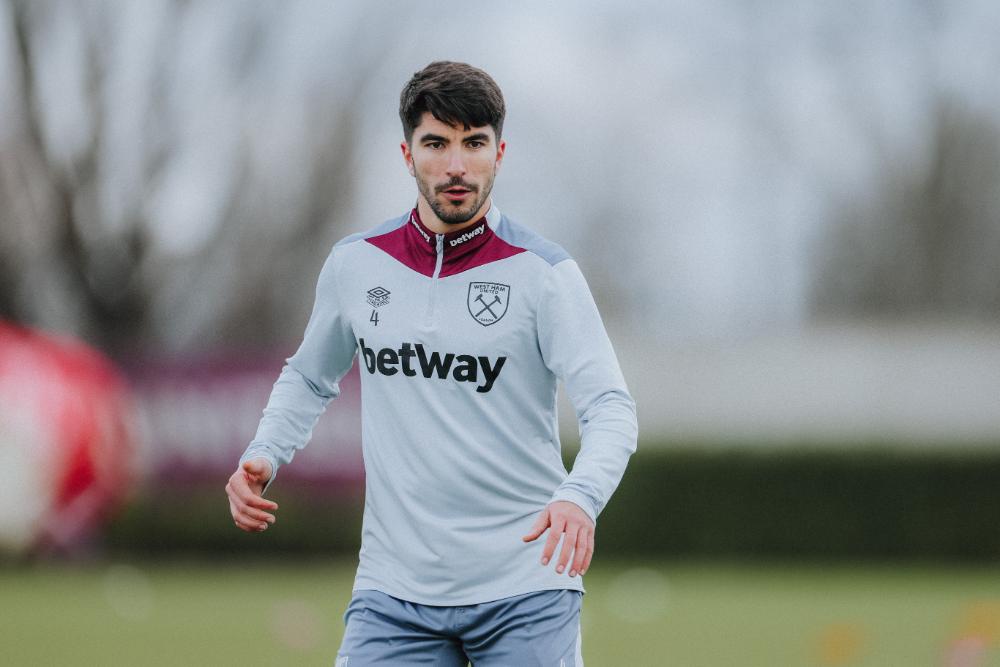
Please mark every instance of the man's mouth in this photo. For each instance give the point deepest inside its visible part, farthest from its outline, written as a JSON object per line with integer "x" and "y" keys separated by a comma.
{"x": 457, "y": 194}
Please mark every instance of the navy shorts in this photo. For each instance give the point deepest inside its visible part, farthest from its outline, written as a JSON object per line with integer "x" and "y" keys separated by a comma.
{"x": 540, "y": 628}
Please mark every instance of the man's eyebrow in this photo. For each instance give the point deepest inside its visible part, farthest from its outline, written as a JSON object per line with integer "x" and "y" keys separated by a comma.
{"x": 432, "y": 137}
{"x": 480, "y": 136}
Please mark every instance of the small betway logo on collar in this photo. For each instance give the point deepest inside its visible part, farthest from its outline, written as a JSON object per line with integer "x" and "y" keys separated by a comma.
{"x": 488, "y": 302}
{"x": 468, "y": 236}
{"x": 411, "y": 359}
{"x": 416, "y": 226}
{"x": 378, "y": 296}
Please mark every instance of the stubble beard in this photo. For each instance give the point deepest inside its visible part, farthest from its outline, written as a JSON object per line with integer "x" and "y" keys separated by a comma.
{"x": 452, "y": 214}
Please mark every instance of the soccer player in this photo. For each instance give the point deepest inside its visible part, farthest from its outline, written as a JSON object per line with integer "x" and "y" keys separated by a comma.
{"x": 463, "y": 321}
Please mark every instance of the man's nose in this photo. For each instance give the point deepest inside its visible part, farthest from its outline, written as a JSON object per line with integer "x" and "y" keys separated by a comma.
{"x": 456, "y": 163}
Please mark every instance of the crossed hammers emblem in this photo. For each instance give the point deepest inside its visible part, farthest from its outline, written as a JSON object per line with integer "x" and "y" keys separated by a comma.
{"x": 488, "y": 302}
{"x": 487, "y": 306}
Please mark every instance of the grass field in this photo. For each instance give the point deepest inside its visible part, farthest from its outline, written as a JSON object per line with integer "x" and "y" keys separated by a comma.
{"x": 635, "y": 613}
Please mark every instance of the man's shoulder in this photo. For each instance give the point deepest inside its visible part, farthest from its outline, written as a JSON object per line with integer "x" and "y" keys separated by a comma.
{"x": 520, "y": 236}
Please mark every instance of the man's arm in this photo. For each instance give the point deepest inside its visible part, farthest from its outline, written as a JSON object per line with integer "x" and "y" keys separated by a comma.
{"x": 307, "y": 383}
{"x": 575, "y": 346}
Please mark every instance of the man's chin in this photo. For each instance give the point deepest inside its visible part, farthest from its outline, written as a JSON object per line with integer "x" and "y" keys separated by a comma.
{"x": 455, "y": 216}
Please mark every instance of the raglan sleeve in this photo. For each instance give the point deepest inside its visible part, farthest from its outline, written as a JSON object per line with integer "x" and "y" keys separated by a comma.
{"x": 576, "y": 348}
{"x": 309, "y": 379}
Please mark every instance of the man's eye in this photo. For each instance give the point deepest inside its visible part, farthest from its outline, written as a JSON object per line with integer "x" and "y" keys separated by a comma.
{"x": 435, "y": 145}
{"x": 475, "y": 144}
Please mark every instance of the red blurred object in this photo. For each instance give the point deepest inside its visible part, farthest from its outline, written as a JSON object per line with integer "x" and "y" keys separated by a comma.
{"x": 67, "y": 440}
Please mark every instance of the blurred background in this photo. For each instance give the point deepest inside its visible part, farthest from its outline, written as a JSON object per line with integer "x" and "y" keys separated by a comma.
{"x": 789, "y": 215}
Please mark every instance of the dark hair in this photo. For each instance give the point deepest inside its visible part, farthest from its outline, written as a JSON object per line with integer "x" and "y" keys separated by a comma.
{"x": 454, "y": 93}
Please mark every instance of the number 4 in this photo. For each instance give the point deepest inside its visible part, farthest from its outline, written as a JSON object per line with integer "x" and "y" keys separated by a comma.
{"x": 374, "y": 318}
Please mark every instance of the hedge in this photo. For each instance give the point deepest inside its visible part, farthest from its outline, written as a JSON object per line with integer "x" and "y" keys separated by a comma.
{"x": 810, "y": 501}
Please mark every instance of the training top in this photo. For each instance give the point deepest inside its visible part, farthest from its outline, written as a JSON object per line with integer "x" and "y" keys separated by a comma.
{"x": 461, "y": 338}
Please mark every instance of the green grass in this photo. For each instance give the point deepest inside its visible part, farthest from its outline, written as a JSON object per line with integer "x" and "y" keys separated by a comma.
{"x": 687, "y": 614}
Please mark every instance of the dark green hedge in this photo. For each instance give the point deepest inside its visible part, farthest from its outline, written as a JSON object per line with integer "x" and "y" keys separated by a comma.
{"x": 311, "y": 519}
{"x": 739, "y": 502}
{"x": 819, "y": 503}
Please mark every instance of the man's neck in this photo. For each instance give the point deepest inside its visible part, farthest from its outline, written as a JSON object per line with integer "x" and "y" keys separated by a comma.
{"x": 436, "y": 225}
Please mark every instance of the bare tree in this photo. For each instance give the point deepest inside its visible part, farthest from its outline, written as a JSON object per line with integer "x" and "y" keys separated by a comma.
{"x": 928, "y": 242}
{"x": 69, "y": 262}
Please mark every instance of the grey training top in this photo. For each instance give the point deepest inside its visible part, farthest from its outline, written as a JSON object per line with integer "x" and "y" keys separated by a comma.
{"x": 461, "y": 338}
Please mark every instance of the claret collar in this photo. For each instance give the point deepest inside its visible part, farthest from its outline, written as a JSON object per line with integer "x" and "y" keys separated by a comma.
{"x": 457, "y": 242}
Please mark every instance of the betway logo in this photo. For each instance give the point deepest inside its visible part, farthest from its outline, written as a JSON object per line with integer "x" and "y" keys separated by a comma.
{"x": 416, "y": 226}
{"x": 462, "y": 367}
{"x": 467, "y": 236}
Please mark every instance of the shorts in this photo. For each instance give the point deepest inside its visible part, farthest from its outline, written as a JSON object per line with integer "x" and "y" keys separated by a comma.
{"x": 539, "y": 628}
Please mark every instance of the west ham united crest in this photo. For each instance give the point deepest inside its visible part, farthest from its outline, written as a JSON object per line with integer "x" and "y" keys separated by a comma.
{"x": 488, "y": 302}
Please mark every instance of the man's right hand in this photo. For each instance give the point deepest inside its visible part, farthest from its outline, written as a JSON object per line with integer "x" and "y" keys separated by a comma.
{"x": 244, "y": 489}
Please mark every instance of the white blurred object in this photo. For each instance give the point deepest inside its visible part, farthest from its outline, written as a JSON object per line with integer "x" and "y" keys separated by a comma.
{"x": 920, "y": 384}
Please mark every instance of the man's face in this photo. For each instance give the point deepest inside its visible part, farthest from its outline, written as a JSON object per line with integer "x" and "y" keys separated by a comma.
{"x": 454, "y": 167}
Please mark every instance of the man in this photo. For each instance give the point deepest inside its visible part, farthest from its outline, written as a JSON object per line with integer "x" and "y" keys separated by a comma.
{"x": 463, "y": 321}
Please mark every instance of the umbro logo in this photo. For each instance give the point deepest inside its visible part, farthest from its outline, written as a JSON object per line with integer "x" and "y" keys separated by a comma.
{"x": 378, "y": 296}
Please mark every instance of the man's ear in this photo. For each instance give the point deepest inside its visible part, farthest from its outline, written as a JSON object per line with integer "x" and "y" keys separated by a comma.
{"x": 407, "y": 158}
{"x": 501, "y": 147}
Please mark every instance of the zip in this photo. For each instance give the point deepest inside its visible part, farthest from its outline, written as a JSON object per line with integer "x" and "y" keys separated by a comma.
{"x": 439, "y": 246}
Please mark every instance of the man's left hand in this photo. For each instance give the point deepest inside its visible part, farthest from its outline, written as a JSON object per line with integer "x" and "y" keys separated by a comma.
{"x": 565, "y": 517}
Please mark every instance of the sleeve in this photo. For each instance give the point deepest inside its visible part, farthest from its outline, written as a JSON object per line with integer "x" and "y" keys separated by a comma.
{"x": 576, "y": 348}
{"x": 309, "y": 380}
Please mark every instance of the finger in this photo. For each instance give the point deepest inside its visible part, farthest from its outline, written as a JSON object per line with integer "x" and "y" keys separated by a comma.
{"x": 568, "y": 544}
{"x": 589, "y": 554}
{"x": 247, "y": 521}
{"x": 238, "y": 488}
{"x": 248, "y": 525}
{"x": 579, "y": 552}
{"x": 237, "y": 506}
{"x": 242, "y": 525}
{"x": 250, "y": 510}
{"x": 256, "y": 514}
{"x": 558, "y": 524}
{"x": 251, "y": 495}
{"x": 540, "y": 525}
